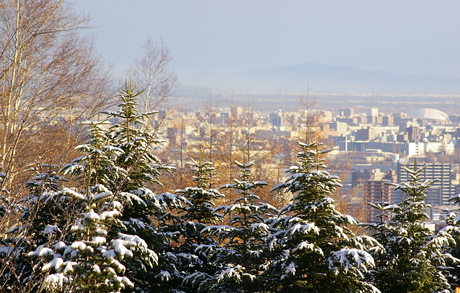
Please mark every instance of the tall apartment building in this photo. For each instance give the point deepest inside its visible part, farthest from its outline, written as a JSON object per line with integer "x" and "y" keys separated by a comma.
{"x": 440, "y": 190}
{"x": 413, "y": 133}
{"x": 373, "y": 112}
{"x": 277, "y": 118}
{"x": 387, "y": 120}
{"x": 340, "y": 127}
{"x": 349, "y": 112}
{"x": 365, "y": 134}
{"x": 225, "y": 117}
{"x": 375, "y": 191}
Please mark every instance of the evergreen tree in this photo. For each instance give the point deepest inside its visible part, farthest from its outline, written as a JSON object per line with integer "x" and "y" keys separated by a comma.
{"x": 314, "y": 249}
{"x": 91, "y": 263}
{"x": 135, "y": 138}
{"x": 453, "y": 228}
{"x": 145, "y": 214}
{"x": 90, "y": 260}
{"x": 197, "y": 214}
{"x": 39, "y": 216}
{"x": 243, "y": 257}
{"x": 201, "y": 198}
{"x": 413, "y": 258}
{"x": 97, "y": 164}
{"x": 121, "y": 163}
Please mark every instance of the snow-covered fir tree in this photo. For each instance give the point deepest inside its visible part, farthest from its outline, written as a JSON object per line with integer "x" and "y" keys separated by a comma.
{"x": 145, "y": 214}
{"x": 413, "y": 258}
{"x": 92, "y": 263}
{"x": 313, "y": 248}
{"x": 196, "y": 215}
{"x": 453, "y": 228}
{"x": 121, "y": 162}
{"x": 39, "y": 214}
{"x": 90, "y": 260}
{"x": 243, "y": 239}
{"x": 201, "y": 197}
{"x": 97, "y": 164}
{"x": 131, "y": 134}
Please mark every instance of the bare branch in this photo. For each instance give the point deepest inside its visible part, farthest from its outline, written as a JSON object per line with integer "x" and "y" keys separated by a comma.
{"x": 152, "y": 75}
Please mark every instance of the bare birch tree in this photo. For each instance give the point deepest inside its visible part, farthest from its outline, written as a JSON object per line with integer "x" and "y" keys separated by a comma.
{"x": 152, "y": 75}
{"x": 48, "y": 73}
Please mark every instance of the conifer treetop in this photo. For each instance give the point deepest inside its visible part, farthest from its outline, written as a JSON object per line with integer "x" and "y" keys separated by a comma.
{"x": 316, "y": 250}
{"x": 413, "y": 259}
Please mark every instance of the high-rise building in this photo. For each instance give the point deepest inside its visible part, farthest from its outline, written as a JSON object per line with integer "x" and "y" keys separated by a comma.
{"x": 225, "y": 117}
{"x": 375, "y": 191}
{"x": 348, "y": 112}
{"x": 413, "y": 133}
{"x": 402, "y": 137}
{"x": 340, "y": 127}
{"x": 440, "y": 190}
{"x": 277, "y": 119}
{"x": 239, "y": 111}
{"x": 403, "y": 127}
{"x": 365, "y": 134}
{"x": 373, "y": 112}
{"x": 387, "y": 120}
{"x": 454, "y": 118}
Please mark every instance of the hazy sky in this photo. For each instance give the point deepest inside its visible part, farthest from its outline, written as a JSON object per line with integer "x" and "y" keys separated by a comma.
{"x": 400, "y": 36}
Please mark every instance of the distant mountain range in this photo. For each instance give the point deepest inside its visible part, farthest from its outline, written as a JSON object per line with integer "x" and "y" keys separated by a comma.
{"x": 325, "y": 79}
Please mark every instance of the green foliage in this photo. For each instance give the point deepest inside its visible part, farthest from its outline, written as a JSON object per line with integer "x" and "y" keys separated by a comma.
{"x": 90, "y": 263}
{"x": 97, "y": 164}
{"x": 314, "y": 249}
{"x": 119, "y": 162}
{"x": 198, "y": 212}
{"x": 412, "y": 258}
{"x": 40, "y": 214}
{"x": 201, "y": 198}
{"x": 132, "y": 136}
{"x": 453, "y": 228}
{"x": 242, "y": 258}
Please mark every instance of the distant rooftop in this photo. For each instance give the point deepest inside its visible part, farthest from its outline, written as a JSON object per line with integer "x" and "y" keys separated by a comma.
{"x": 428, "y": 113}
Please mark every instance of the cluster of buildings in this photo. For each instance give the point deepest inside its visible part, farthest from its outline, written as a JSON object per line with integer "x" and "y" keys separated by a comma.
{"x": 376, "y": 145}
{"x": 413, "y": 134}
{"x": 380, "y": 146}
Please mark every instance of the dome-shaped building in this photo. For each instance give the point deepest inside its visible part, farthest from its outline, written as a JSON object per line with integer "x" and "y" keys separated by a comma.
{"x": 428, "y": 113}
